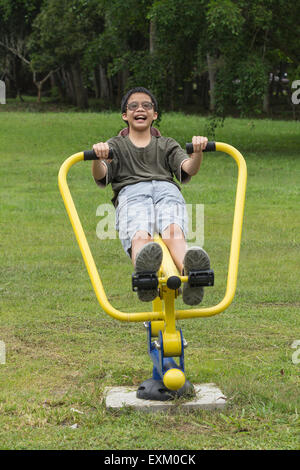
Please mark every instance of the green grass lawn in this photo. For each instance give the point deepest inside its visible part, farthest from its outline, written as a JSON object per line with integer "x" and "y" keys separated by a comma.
{"x": 62, "y": 350}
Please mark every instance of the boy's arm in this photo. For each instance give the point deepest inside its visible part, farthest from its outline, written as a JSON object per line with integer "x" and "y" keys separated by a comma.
{"x": 191, "y": 165}
{"x": 99, "y": 168}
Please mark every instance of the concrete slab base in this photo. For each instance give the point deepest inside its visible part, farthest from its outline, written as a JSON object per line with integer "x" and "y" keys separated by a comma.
{"x": 208, "y": 397}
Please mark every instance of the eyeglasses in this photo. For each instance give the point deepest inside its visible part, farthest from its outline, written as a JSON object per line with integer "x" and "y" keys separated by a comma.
{"x": 134, "y": 105}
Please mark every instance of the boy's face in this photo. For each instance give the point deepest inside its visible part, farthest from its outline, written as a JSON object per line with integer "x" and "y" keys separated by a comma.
{"x": 139, "y": 113}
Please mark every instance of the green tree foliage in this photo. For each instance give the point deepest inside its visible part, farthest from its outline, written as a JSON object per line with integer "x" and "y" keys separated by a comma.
{"x": 210, "y": 54}
{"x": 63, "y": 30}
{"x": 16, "y": 18}
{"x": 62, "y": 43}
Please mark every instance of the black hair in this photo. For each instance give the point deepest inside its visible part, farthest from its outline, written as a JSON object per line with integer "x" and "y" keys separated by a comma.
{"x": 138, "y": 89}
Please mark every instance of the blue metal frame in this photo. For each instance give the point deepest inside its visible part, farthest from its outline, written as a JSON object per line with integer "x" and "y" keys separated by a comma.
{"x": 160, "y": 363}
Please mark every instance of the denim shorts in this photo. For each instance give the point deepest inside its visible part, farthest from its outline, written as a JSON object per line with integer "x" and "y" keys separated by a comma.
{"x": 149, "y": 206}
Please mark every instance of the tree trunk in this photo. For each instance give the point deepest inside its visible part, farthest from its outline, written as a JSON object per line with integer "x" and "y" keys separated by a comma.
{"x": 96, "y": 84}
{"x": 68, "y": 83}
{"x": 203, "y": 90}
{"x": 152, "y": 35}
{"x": 119, "y": 77}
{"x": 57, "y": 83}
{"x": 125, "y": 75}
{"x": 39, "y": 83}
{"x": 17, "y": 80}
{"x": 172, "y": 89}
{"x": 266, "y": 102}
{"x": 188, "y": 92}
{"x": 104, "y": 86}
{"x": 39, "y": 88}
{"x": 80, "y": 90}
{"x": 110, "y": 89}
{"x": 212, "y": 69}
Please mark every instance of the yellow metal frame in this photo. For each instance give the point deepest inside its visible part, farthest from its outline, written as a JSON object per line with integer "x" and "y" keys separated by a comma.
{"x": 163, "y": 315}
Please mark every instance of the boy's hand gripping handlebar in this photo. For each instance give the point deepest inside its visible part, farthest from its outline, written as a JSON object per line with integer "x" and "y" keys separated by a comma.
{"x": 90, "y": 155}
{"x": 210, "y": 147}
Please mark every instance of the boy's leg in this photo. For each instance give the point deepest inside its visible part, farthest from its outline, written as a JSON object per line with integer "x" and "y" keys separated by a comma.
{"x": 186, "y": 260}
{"x": 174, "y": 239}
{"x": 135, "y": 217}
{"x": 146, "y": 257}
{"x": 171, "y": 219}
{"x": 140, "y": 239}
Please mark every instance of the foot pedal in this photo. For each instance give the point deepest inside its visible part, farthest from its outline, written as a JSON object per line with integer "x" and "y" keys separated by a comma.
{"x": 201, "y": 278}
{"x": 144, "y": 281}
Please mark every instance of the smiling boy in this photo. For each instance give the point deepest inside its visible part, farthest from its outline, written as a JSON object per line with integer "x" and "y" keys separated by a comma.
{"x": 146, "y": 196}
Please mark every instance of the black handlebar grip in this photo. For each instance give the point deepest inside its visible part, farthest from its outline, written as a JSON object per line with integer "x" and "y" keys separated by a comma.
{"x": 90, "y": 154}
{"x": 210, "y": 147}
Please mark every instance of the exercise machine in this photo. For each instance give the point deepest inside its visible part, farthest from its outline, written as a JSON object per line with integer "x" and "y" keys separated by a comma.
{"x": 166, "y": 344}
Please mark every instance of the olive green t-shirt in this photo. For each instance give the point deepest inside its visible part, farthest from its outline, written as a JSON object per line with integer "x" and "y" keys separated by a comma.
{"x": 161, "y": 160}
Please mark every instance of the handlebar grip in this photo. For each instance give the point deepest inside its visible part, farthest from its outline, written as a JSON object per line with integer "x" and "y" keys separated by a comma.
{"x": 210, "y": 147}
{"x": 90, "y": 154}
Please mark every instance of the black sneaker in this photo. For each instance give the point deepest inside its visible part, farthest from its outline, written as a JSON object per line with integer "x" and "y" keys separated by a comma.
{"x": 195, "y": 259}
{"x": 148, "y": 259}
